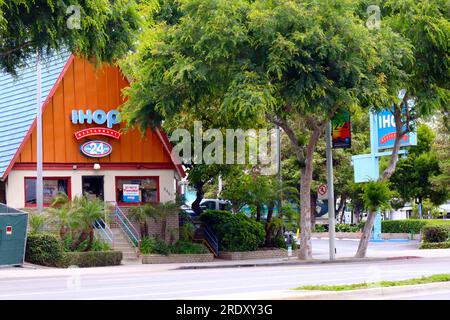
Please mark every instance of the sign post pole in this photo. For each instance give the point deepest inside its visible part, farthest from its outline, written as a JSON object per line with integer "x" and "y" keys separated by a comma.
{"x": 39, "y": 177}
{"x": 331, "y": 224}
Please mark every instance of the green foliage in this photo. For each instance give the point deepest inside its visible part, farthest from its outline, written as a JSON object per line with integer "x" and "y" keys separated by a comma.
{"x": 347, "y": 228}
{"x": 36, "y": 222}
{"x": 93, "y": 259}
{"x": 435, "y": 245}
{"x": 187, "y": 231}
{"x": 187, "y": 247}
{"x": 107, "y": 29}
{"x": 445, "y": 277}
{"x": 147, "y": 245}
{"x": 236, "y": 232}
{"x": 320, "y": 228}
{"x": 377, "y": 195}
{"x": 435, "y": 234}
{"x": 97, "y": 245}
{"x": 44, "y": 249}
{"x": 410, "y": 225}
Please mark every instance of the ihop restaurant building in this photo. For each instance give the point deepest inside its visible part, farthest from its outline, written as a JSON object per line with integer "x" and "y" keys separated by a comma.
{"x": 85, "y": 149}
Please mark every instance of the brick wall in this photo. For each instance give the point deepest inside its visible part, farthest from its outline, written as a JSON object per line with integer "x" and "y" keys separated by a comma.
{"x": 154, "y": 227}
{"x": 177, "y": 258}
{"x": 259, "y": 254}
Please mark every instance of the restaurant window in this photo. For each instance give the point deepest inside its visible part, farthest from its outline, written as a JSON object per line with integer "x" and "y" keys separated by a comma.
{"x": 137, "y": 189}
{"x": 51, "y": 188}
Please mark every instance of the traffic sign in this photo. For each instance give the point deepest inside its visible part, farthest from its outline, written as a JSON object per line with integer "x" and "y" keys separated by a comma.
{"x": 322, "y": 192}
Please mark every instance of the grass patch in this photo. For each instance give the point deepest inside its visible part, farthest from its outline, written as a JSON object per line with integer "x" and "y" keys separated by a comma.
{"x": 444, "y": 277}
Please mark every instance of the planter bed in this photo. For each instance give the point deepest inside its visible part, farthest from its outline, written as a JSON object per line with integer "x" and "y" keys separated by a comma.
{"x": 177, "y": 258}
{"x": 258, "y": 254}
{"x": 93, "y": 259}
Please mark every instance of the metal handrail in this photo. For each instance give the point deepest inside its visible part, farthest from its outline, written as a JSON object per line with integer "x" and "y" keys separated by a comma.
{"x": 211, "y": 239}
{"x": 105, "y": 232}
{"x": 128, "y": 229}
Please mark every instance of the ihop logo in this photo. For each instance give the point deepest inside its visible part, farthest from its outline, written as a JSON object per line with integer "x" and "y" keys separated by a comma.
{"x": 98, "y": 116}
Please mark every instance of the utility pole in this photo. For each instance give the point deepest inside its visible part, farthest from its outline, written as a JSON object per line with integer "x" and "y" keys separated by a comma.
{"x": 279, "y": 168}
{"x": 330, "y": 183}
{"x": 39, "y": 178}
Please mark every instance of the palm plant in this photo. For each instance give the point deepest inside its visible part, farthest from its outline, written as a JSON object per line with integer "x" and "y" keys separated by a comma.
{"x": 140, "y": 214}
{"x": 36, "y": 222}
{"x": 163, "y": 211}
{"x": 61, "y": 212}
{"x": 88, "y": 212}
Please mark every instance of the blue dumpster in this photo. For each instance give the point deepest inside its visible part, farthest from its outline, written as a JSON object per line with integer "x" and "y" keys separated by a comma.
{"x": 13, "y": 235}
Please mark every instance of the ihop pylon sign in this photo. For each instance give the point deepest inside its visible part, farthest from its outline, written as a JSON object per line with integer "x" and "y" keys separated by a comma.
{"x": 366, "y": 166}
{"x": 386, "y": 134}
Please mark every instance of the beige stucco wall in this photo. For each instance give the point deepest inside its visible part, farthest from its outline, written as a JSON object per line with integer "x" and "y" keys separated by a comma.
{"x": 15, "y": 190}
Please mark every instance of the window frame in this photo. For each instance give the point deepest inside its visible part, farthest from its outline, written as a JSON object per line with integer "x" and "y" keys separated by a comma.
{"x": 129, "y": 204}
{"x": 69, "y": 189}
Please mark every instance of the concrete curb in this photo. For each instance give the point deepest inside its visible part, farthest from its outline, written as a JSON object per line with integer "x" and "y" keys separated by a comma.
{"x": 293, "y": 263}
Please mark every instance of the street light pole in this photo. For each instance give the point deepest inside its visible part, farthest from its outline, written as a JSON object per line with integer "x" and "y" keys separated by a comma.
{"x": 39, "y": 178}
{"x": 330, "y": 183}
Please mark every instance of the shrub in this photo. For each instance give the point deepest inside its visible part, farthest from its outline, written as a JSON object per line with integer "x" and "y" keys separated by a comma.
{"x": 347, "y": 228}
{"x": 93, "y": 258}
{"x": 151, "y": 245}
{"x": 147, "y": 245}
{"x": 435, "y": 245}
{"x": 187, "y": 247}
{"x": 402, "y": 226}
{"x": 320, "y": 228}
{"x": 236, "y": 232}
{"x": 187, "y": 231}
{"x": 408, "y": 225}
{"x": 435, "y": 234}
{"x": 279, "y": 242}
{"x": 44, "y": 249}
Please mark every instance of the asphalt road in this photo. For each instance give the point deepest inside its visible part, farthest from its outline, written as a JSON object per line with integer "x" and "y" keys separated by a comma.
{"x": 157, "y": 282}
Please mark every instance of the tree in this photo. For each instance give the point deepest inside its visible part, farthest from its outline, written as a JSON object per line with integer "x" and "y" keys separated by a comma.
{"x": 377, "y": 195}
{"x": 425, "y": 26}
{"x": 248, "y": 62}
{"x": 88, "y": 211}
{"x": 102, "y": 30}
{"x": 413, "y": 176}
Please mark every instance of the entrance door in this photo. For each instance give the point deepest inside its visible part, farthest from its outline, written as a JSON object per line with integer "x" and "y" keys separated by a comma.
{"x": 93, "y": 186}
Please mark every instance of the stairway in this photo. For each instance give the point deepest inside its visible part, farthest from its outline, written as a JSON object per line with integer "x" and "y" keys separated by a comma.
{"x": 205, "y": 236}
{"x": 121, "y": 243}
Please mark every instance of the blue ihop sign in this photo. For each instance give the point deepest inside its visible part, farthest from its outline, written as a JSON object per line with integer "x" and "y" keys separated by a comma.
{"x": 386, "y": 134}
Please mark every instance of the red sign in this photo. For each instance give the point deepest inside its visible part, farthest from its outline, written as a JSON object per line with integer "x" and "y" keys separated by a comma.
{"x": 97, "y": 132}
{"x": 8, "y": 230}
{"x": 322, "y": 192}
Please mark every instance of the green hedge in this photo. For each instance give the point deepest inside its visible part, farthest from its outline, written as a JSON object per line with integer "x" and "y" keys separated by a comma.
{"x": 93, "y": 258}
{"x": 408, "y": 225}
{"x": 236, "y": 232}
{"x": 435, "y": 234}
{"x": 44, "y": 249}
{"x": 435, "y": 245}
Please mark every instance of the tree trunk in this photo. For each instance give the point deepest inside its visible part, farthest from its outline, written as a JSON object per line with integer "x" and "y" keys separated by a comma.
{"x": 313, "y": 212}
{"x": 163, "y": 228}
{"x": 305, "y": 251}
{"x": 258, "y": 213}
{"x": 83, "y": 236}
{"x": 364, "y": 241}
{"x": 199, "y": 197}
{"x": 269, "y": 227}
{"x": 389, "y": 171}
{"x": 91, "y": 240}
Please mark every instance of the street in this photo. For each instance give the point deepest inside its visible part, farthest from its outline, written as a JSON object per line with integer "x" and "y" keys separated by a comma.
{"x": 265, "y": 282}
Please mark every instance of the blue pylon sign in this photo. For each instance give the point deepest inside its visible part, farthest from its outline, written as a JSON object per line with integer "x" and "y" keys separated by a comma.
{"x": 366, "y": 166}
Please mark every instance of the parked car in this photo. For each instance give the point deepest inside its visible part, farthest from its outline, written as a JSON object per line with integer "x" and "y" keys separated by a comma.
{"x": 215, "y": 204}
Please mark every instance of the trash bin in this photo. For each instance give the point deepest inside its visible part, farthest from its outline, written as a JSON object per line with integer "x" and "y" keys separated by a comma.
{"x": 13, "y": 235}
